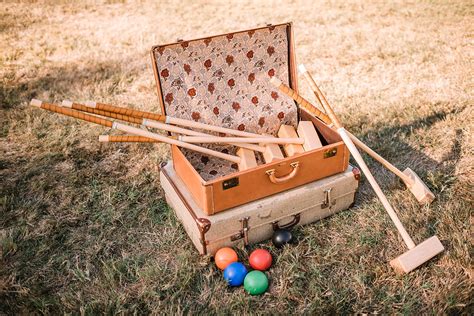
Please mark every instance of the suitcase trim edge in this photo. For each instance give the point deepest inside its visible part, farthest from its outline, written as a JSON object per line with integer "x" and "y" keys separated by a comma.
{"x": 203, "y": 224}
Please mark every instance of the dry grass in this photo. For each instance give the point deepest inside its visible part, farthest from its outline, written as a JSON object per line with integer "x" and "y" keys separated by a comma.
{"x": 85, "y": 229}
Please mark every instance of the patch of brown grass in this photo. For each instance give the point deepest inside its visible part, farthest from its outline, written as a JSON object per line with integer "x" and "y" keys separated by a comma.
{"x": 84, "y": 227}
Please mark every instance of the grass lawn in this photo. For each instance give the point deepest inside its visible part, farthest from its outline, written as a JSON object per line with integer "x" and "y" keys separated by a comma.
{"x": 84, "y": 227}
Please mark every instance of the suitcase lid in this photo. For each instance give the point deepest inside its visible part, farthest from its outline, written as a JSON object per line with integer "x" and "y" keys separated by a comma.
{"x": 224, "y": 79}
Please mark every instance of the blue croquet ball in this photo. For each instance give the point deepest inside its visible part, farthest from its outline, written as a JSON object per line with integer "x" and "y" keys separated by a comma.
{"x": 235, "y": 273}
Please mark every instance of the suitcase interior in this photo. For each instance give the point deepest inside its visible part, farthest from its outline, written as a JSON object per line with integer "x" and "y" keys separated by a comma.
{"x": 223, "y": 80}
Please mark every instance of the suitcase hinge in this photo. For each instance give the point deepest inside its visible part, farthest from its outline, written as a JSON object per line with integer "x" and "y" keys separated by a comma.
{"x": 243, "y": 231}
{"x": 328, "y": 201}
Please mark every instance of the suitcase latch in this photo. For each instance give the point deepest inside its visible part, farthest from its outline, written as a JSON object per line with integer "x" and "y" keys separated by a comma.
{"x": 230, "y": 183}
{"x": 328, "y": 201}
{"x": 243, "y": 231}
{"x": 330, "y": 153}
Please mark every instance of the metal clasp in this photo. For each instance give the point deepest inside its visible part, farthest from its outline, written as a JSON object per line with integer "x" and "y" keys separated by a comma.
{"x": 243, "y": 231}
{"x": 330, "y": 153}
{"x": 328, "y": 202}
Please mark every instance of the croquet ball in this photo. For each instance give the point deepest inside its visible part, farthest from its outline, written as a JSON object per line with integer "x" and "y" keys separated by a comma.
{"x": 260, "y": 259}
{"x": 282, "y": 237}
{"x": 256, "y": 282}
{"x": 235, "y": 274}
{"x": 224, "y": 257}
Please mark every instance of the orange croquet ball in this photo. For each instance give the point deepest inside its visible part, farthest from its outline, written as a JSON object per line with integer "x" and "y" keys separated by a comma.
{"x": 224, "y": 257}
{"x": 260, "y": 259}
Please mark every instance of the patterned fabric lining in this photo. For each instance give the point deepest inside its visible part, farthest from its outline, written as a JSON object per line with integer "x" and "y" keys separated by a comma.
{"x": 224, "y": 81}
{"x": 211, "y": 168}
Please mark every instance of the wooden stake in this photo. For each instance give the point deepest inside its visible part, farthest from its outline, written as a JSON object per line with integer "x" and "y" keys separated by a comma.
{"x": 125, "y": 139}
{"x": 307, "y": 131}
{"x": 291, "y": 149}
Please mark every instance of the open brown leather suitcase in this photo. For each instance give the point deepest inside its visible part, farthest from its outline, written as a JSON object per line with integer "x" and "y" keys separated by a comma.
{"x": 256, "y": 221}
{"x": 224, "y": 80}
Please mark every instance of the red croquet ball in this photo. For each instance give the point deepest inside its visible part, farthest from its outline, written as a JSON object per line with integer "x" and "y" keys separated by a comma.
{"x": 260, "y": 259}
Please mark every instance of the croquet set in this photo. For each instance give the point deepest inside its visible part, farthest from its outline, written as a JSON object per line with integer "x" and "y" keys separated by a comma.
{"x": 250, "y": 156}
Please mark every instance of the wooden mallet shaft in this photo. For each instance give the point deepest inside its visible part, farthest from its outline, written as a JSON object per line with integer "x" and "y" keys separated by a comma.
{"x": 360, "y": 161}
{"x": 168, "y": 119}
{"x": 409, "y": 177}
{"x": 125, "y": 111}
{"x": 126, "y": 139}
{"x": 117, "y": 116}
{"x": 261, "y": 140}
{"x": 149, "y": 123}
{"x": 130, "y": 129}
{"x": 305, "y": 104}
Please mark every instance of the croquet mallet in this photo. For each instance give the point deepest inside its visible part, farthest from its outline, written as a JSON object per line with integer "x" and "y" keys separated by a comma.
{"x": 416, "y": 255}
{"x": 413, "y": 182}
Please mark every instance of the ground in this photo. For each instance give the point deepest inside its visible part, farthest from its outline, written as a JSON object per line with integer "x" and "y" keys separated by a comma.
{"x": 84, "y": 227}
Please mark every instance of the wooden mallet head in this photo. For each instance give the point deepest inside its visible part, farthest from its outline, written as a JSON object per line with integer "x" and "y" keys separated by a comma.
{"x": 415, "y": 257}
{"x": 417, "y": 187}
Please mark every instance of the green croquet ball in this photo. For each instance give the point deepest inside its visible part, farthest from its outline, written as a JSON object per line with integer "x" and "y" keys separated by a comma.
{"x": 256, "y": 282}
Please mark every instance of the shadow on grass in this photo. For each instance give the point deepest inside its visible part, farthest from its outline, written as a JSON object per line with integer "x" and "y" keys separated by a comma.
{"x": 388, "y": 142}
{"x": 101, "y": 78}
{"x": 55, "y": 219}
{"x": 67, "y": 226}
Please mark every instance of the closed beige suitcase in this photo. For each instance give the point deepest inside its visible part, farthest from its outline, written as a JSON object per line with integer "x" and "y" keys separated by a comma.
{"x": 256, "y": 221}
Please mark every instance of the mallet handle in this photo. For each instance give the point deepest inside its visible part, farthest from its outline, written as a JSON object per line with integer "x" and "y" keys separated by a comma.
{"x": 180, "y": 130}
{"x": 168, "y": 119}
{"x": 380, "y": 159}
{"x": 117, "y": 116}
{"x": 360, "y": 161}
{"x": 325, "y": 104}
{"x": 323, "y": 117}
{"x": 125, "y": 139}
{"x": 219, "y": 129}
{"x": 131, "y": 129}
{"x": 126, "y": 111}
{"x": 164, "y": 139}
{"x": 150, "y": 123}
{"x": 72, "y": 113}
{"x": 391, "y": 212}
{"x": 305, "y": 104}
{"x": 261, "y": 140}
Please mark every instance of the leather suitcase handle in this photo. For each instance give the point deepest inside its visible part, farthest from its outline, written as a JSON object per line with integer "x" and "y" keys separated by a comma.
{"x": 277, "y": 180}
{"x": 294, "y": 221}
